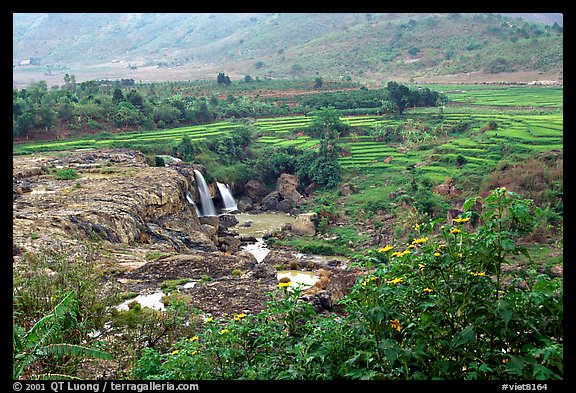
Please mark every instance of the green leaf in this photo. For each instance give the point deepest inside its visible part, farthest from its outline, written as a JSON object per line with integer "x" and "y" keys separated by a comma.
{"x": 515, "y": 365}
{"x": 504, "y": 311}
{"x": 464, "y": 336}
{"x": 77, "y": 351}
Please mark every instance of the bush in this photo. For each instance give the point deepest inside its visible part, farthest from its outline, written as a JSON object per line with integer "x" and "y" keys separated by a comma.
{"x": 66, "y": 174}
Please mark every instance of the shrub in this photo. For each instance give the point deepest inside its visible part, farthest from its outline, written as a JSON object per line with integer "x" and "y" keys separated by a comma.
{"x": 66, "y": 174}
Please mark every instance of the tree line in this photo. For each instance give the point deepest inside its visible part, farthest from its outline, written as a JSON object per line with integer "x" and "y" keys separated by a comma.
{"x": 123, "y": 104}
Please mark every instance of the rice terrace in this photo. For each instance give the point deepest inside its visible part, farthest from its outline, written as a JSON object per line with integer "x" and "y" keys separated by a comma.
{"x": 291, "y": 219}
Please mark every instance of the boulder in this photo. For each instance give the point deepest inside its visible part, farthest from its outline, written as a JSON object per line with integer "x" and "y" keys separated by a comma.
{"x": 270, "y": 201}
{"x": 264, "y": 270}
{"x": 285, "y": 206}
{"x": 347, "y": 189}
{"x": 229, "y": 244}
{"x": 311, "y": 188}
{"x": 255, "y": 189}
{"x": 227, "y": 220}
{"x": 304, "y": 224}
{"x": 245, "y": 204}
{"x": 287, "y": 186}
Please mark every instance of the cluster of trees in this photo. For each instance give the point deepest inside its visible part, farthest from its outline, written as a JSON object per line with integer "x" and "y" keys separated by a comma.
{"x": 393, "y": 99}
{"x": 105, "y": 105}
{"x": 401, "y": 97}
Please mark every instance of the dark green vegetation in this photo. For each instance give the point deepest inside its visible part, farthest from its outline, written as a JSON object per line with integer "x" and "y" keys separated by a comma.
{"x": 488, "y": 306}
{"x": 281, "y": 45}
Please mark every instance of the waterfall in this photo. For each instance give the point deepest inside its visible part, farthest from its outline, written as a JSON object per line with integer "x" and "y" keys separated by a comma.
{"x": 208, "y": 208}
{"x": 191, "y": 201}
{"x": 227, "y": 198}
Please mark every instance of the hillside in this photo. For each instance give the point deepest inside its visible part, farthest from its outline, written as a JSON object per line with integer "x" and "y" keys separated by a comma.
{"x": 370, "y": 47}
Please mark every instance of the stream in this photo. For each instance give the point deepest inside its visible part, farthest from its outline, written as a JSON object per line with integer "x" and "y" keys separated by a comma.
{"x": 251, "y": 225}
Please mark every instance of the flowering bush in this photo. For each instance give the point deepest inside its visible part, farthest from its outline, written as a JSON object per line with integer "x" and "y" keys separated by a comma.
{"x": 440, "y": 307}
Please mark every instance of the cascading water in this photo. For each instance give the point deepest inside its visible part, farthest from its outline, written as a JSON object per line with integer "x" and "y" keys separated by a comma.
{"x": 208, "y": 208}
{"x": 227, "y": 198}
{"x": 191, "y": 201}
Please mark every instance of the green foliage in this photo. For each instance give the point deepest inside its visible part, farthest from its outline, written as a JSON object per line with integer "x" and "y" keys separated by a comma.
{"x": 43, "y": 340}
{"x": 159, "y": 161}
{"x": 66, "y": 174}
{"x": 441, "y": 307}
{"x": 323, "y": 170}
{"x": 326, "y": 124}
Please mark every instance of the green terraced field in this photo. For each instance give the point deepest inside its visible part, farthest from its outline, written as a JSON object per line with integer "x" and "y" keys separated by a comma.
{"x": 524, "y": 96}
{"x": 527, "y": 131}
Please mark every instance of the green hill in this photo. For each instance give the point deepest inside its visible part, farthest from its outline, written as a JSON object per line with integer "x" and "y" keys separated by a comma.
{"x": 284, "y": 45}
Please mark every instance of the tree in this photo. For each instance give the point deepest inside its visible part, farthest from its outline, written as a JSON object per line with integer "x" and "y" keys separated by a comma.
{"x": 117, "y": 96}
{"x": 318, "y": 82}
{"x": 399, "y": 95}
{"x": 326, "y": 124}
{"x": 127, "y": 114}
{"x": 136, "y": 99}
{"x": 223, "y": 79}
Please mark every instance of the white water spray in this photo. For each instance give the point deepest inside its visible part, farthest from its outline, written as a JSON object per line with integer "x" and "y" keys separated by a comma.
{"x": 227, "y": 198}
{"x": 207, "y": 204}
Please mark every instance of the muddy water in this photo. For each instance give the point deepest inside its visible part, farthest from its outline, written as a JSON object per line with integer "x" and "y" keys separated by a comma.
{"x": 298, "y": 278}
{"x": 261, "y": 223}
{"x": 266, "y": 222}
{"x": 153, "y": 300}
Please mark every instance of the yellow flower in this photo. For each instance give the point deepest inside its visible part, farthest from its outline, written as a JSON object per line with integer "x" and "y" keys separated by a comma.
{"x": 209, "y": 319}
{"x": 478, "y": 274}
{"x": 461, "y": 219}
{"x": 175, "y": 352}
{"x": 404, "y": 252}
{"x": 195, "y": 338}
{"x": 459, "y": 255}
{"x": 224, "y": 331}
{"x": 396, "y": 281}
{"x": 238, "y": 317}
{"x": 421, "y": 240}
{"x": 503, "y": 189}
{"x": 421, "y": 266}
{"x": 436, "y": 254}
{"x": 284, "y": 284}
{"x": 454, "y": 231}
{"x": 385, "y": 249}
{"x": 442, "y": 227}
{"x": 195, "y": 352}
{"x": 395, "y": 324}
{"x": 412, "y": 246}
{"x": 396, "y": 254}
{"x": 427, "y": 290}
{"x": 417, "y": 227}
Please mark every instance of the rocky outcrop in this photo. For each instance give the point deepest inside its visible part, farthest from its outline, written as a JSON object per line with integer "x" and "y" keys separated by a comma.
{"x": 117, "y": 198}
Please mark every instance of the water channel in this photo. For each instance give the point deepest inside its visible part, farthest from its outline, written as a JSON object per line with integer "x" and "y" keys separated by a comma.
{"x": 255, "y": 225}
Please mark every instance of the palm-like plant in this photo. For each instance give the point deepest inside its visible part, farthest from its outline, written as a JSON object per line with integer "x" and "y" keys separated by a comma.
{"x": 42, "y": 341}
